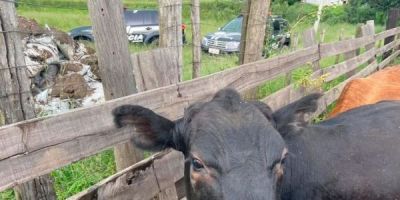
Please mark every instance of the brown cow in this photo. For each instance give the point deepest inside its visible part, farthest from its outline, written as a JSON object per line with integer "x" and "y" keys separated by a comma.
{"x": 382, "y": 85}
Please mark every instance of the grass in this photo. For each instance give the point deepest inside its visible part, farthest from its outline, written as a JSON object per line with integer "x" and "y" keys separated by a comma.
{"x": 80, "y": 175}
{"x": 76, "y": 177}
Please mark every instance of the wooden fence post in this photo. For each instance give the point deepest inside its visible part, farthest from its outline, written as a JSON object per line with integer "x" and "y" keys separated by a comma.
{"x": 170, "y": 14}
{"x": 369, "y": 30}
{"x": 154, "y": 69}
{"x": 255, "y": 15}
{"x": 115, "y": 64}
{"x": 341, "y": 37}
{"x": 393, "y": 18}
{"x": 196, "y": 38}
{"x": 16, "y": 102}
{"x": 351, "y": 54}
{"x": 310, "y": 39}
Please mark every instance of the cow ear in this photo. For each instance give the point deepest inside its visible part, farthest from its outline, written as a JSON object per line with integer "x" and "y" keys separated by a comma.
{"x": 294, "y": 114}
{"x": 265, "y": 110}
{"x": 152, "y": 131}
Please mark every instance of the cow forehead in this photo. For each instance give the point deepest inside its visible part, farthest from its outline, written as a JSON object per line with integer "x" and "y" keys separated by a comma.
{"x": 233, "y": 136}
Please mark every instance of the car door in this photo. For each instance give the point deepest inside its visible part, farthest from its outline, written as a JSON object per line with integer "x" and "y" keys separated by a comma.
{"x": 139, "y": 24}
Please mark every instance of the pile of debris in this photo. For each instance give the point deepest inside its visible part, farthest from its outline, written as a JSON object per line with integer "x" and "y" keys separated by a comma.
{"x": 64, "y": 73}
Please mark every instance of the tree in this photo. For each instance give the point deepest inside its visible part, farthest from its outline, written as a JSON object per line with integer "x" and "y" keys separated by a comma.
{"x": 383, "y": 5}
{"x": 359, "y": 11}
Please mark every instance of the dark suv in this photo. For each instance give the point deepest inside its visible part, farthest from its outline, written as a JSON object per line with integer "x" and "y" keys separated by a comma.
{"x": 227, "y": 38}
{"x": 142, "y": 26}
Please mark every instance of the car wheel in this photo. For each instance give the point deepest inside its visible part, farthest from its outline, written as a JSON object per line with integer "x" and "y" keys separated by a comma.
{"x": 154, "y": 41}
{"x": 82, "y": 38}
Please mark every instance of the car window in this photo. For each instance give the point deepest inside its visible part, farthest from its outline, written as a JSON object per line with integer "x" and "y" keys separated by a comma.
{"x": 234, "y": 25}
{"x": 154, "y": 17}
{"x": 276, "y": 25}
{"x": 147, "y": 18}
{"x": 134, "y": 18}
{"x": 150, "y": 17}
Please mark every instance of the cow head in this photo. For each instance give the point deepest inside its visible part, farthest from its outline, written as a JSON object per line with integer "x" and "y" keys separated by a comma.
{"x": 232, "y": 147}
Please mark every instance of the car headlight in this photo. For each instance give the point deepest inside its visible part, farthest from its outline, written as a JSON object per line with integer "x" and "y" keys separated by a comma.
{"x": 204, "y": 42}
{"x": 232, "y": 45}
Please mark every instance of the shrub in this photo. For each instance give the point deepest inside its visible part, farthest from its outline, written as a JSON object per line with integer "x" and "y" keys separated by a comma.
{"x": 334, "y": 15}
{"x": 359, "y": 11}
{"x": 301, "y": 11}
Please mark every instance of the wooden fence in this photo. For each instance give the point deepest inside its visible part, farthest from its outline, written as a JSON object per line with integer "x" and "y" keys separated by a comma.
{"x": 36, "y": 147}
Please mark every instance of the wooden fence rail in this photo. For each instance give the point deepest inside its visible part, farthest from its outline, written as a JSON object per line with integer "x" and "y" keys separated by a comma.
{"x": 36, "y": 147}
{"x": 142, "y": 181}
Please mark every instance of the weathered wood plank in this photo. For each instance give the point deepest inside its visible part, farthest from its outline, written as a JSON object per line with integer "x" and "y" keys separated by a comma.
{"x": 340, "y": 47}
{"x": 255, "y": 15}
{"x": 369, "y": 30}
{"x": 21, "y": 168}
{"x": 169, "y": 170}
{"x": 139, "y": 181}
{"x": 16, "y": 102}
{"x": 387, "y": 33}
{"x": 170, "y": 17}
{"x": 254, "y": 32}
{"x": 112, "y": 48}
{"x": 155, "y": 68}
{"x": 309, "y": 39}
{"x": 347, "y": 66}
{"x": 283, "y": 97}
{"x": 196, "y": 38}
{"x": 389, "y": 59}
{"x": 354, "y": 53}
{"x": 388, "y": 47}
{"x": 169, "y": 194}
{"x": 180, "y": 188}
{"x": 290, "y": 94}
{"x": 85, "y": 126}
{"x": 333, "y": 94}
{"x": 115, "y": 65}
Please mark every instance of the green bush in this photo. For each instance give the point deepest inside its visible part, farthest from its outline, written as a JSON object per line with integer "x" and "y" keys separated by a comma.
{"x": 300, "y": 11}
{"x": 360, "y": 11}
{"x": 334, "y": 15}
{"x": 279, "y": 7}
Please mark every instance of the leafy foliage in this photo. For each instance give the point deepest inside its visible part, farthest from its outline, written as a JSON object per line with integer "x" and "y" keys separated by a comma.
{"x": 383, "y": 5}
{"x": 78, "y": 176}
{"x": 363, "y": 10}
{"x": 334, "y": 15}
{"x": 7, "y": 195}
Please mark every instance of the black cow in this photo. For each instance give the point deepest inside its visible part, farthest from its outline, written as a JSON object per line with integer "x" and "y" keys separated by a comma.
{"x": 238, "y": 150}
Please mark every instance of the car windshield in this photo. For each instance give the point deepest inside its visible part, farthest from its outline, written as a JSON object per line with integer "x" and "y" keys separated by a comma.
{"x": 233, "y": 26}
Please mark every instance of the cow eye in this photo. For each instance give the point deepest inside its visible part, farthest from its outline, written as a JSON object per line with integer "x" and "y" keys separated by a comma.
{"x": 197, "y": 164}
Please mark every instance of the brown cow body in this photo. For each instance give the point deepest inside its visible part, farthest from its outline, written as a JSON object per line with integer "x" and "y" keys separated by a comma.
{"x": 382, "y": 85}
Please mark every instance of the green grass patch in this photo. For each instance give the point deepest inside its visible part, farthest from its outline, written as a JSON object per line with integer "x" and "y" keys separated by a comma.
{"x": 7, "y": 195}
{"x": 81, "y": 175}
